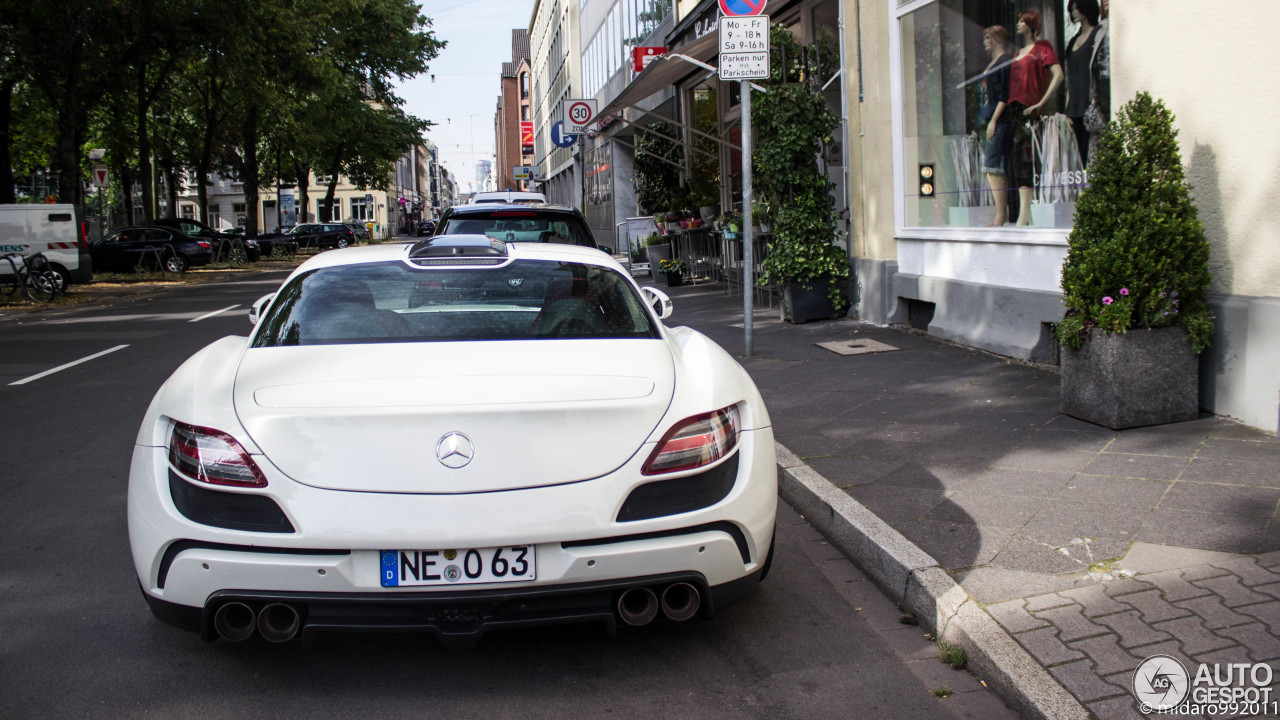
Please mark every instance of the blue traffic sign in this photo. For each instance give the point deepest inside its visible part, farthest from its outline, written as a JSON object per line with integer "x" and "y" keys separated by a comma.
{"x": 559, "y": 138}
{"x": 742, "y": 7}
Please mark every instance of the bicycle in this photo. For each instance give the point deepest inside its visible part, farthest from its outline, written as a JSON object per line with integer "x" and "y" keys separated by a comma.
{"x": 33, "y": 275}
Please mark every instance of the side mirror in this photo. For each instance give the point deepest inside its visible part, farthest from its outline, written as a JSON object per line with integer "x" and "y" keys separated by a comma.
{"x": 659, "y": 301}
{"x": 255, "y": 312}
{"x": 605, "y": 249}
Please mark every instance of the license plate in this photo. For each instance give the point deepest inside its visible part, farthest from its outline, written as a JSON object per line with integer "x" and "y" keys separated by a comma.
{"x": 414, "y": 568}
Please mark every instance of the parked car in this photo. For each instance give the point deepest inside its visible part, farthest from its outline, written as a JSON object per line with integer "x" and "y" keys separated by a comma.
{"x": 452, "y": 436}
{"x": 322, "y": 235}
{"x": 519, "y": 223}
{"x": 130, "y": 247}
{"x": 509, "y": 197}
{"x": 272, "y": 244}
{"x": 360, "y": 229}
{"x": 196, "y": 229}
{"x": 427, "y": 228}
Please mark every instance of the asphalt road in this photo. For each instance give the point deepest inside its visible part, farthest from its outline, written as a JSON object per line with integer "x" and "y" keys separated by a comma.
{"x": 76, "y": 639}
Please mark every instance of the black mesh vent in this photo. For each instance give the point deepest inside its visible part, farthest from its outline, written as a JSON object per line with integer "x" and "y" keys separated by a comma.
{"x": 233, "y": 511}
{"x": 680, "y": 495}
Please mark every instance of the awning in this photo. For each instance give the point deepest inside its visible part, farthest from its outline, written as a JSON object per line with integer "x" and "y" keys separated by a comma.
{"x": 665, "y": 71}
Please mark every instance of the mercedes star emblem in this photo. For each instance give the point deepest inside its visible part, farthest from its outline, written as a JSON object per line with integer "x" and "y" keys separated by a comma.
{"x": 455, "y": 450}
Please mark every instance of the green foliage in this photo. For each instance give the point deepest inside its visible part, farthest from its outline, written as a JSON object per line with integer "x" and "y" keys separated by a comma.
{"x": 1137, "y": 256}
{"x": 657, "y": 181}
{"x": 794, "y": 125}
{"x": 652, "y": 240}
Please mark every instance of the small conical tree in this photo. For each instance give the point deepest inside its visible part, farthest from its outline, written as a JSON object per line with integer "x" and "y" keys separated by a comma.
{"x": 1137, "y": 256}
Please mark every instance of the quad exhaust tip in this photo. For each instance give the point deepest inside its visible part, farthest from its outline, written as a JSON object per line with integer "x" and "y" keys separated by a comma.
{"x": 680, "y": 601}
{"x": 278, "y": 622}
{"x": 234, "y": 621}
{"x": 638, "y": 606}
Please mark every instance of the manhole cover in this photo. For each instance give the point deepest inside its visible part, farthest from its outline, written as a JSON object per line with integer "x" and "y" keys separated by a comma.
{"x": 864, "y": 346}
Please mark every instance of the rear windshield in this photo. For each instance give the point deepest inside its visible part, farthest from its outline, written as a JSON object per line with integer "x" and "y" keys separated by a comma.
{"x": 521, "y": 226}
{"x": 396, "y": 302}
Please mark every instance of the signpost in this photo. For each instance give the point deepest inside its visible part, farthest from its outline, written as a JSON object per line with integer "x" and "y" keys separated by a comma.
{"x": 744, "y": 56}
{"x": 100, "y": 177}
{"x": 578, "y": 115}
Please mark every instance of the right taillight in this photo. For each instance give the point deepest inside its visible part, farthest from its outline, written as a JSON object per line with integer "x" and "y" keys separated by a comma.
{"x": 212, "y": 456}
{"x": 694, "y": 442}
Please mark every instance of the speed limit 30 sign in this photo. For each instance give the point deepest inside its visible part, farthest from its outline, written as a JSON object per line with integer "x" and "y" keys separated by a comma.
{"x": 578, "y": 115}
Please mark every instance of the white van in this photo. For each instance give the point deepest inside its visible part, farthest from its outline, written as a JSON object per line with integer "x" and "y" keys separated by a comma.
{"x": 50, "y": 229}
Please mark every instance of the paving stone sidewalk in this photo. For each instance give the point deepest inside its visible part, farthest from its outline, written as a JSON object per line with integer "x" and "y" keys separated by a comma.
{"x": 1093, "y": 548}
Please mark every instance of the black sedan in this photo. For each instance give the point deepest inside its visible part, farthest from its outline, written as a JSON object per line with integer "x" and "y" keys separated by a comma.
{"x": 322, "y": 235}
{"x": 519, "y": 223}
{"x": 223, "y": 248}
{"x": 149, "y": 247}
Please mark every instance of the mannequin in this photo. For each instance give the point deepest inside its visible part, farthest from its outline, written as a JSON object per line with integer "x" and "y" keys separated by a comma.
{"x": 1034, "y": 78}
{"x": 993, "y": 92}
{"x": 1098, "y": 113}
{"x": 1078, "y": 58}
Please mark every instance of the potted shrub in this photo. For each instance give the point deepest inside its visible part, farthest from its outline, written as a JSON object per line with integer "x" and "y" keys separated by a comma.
{"x": 1135, "y": 279}
{"x": 656, "y": 249}
{"x": 794, "y": 127}
{"x": 672, "y": 271}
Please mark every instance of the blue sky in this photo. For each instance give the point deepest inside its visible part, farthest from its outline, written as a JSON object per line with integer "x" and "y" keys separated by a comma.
{"x": 464, "y": 95}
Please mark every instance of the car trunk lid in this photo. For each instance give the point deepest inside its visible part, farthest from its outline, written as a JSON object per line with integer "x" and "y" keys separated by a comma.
{"x": 528, "y": 413}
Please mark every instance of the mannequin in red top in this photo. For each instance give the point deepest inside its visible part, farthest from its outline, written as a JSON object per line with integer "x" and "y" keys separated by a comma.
{"x": 1034, "y": 78}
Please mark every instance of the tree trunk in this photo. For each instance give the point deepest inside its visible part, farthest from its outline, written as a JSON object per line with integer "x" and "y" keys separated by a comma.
{"x": 303, "y": 176}
{"x": 144, "y": 149}
{"x": 171, "y": 185}
{"x": 249, "y": 173}
{"x": 68, "y": 153}
{"x": 126, "y": 190}
{"x": 6, "y": 163}
{"x": 333, "y": 186}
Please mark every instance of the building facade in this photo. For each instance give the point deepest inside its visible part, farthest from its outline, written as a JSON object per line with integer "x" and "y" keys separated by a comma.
{"x": 513, "y": 134}
{"x": 555, "y": 59}
{"x": 911, "y": 103}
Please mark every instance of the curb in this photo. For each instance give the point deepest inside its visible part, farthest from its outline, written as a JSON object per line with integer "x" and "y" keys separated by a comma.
{"x": 912, "y": 578}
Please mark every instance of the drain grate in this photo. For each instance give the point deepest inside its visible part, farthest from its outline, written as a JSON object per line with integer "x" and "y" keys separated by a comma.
{"x": 864, "y": 346}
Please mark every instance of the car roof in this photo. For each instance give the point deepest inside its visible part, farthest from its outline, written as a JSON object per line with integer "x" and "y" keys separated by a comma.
{"x": 382, "y": 252}
{"x": 489, "y": 207}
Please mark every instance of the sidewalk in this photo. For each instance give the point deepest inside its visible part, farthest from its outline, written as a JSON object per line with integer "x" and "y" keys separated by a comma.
{"x": 1092, "y": 549}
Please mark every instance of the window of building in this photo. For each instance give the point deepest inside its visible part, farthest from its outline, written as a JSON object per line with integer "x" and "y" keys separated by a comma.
{"x": 361, "y": 209}
{"x": 955, "y": 61}
{"x": 215, "y": 216}
{"x": 325, "y": 210}
{"x": 188, "y": 211}
{"x": 238, "y": 210}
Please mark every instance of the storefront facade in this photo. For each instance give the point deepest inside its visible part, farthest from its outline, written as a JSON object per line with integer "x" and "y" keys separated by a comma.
{"x": 927, "y": 254}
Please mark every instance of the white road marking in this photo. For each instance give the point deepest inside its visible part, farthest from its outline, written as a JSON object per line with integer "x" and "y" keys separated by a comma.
{"x": 73, "y": 363}
{"x": 215, "y": 312}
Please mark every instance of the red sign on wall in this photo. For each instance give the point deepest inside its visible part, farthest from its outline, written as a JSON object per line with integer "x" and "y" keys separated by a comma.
{"x": 526, "y": 132}
{"x": 642, "y": 56}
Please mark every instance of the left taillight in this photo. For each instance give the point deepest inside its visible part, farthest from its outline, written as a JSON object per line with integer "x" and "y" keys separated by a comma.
{"x": 694, "y": 442}
{"x": 205, "y": 244}
{"x": 212, "y": 456}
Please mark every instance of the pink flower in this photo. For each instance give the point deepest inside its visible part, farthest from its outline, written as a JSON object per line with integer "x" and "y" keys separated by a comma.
{"x": 1107, "y": 300}
{"x": 1124, "y": 291}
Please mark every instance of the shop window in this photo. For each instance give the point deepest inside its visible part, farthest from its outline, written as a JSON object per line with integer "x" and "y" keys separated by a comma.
{"x": 958, "y": 59}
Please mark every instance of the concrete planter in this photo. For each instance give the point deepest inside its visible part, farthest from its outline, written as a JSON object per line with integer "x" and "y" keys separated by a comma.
{"x": 1142, "y": 377}
{"x": 655, "y": 255}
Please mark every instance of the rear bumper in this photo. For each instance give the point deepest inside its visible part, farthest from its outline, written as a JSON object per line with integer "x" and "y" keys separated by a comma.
{"x": 457, "y": 618}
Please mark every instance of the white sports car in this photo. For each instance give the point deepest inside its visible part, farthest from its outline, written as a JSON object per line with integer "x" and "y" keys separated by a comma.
{"x": 452, "y": 437}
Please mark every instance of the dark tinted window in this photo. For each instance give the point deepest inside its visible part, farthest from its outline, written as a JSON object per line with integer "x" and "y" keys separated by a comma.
{"x": 521, "y": 226}
{"x": 397, "y": 302}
